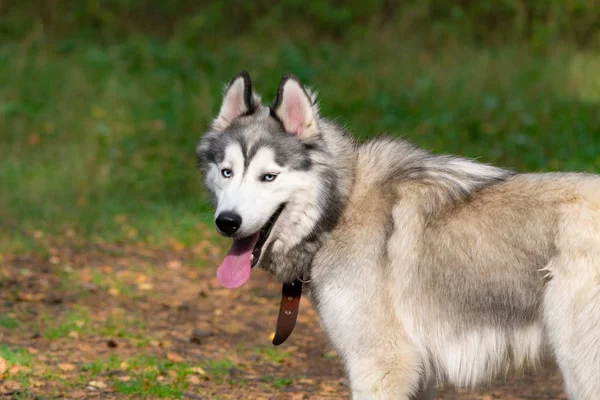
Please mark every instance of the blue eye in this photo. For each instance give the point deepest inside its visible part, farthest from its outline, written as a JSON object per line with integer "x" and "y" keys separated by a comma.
{"x": 226, "y": 173}
{"x": 269, "y": 177}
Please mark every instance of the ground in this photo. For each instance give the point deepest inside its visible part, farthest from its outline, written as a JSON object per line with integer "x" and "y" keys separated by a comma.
{"x": 97, "y": 320}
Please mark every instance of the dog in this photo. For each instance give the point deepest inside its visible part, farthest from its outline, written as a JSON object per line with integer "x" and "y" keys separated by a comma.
{"x": 424, "y": 269}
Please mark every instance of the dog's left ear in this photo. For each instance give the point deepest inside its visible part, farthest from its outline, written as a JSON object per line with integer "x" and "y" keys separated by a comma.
{"x": 295, "y": 107}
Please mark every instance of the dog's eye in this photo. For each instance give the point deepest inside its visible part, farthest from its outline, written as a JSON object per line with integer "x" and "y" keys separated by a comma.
{"x": 226, "y": 172}
{"x": 268, "y": 177}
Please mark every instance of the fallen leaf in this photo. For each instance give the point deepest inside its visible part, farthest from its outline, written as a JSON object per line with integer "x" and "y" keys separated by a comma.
{"x": 123, "y": 366}
{"x": 198, "y": 370}
{"x": 146, "y": 286}
{"x": 174, "y": 264}
{"x": 194, "y": 380}
{"x": 174, "y": 357}
{"x": 15, "y": 369}
{"x": 3, "y": 365}
{"x": 66, "y": 367}
{"x": 12, "y": 385}
{"x": 74, "y": 335}
{"x": 97, "y": 384}
{"x": 34, "y": 139}
{"x": 29, "y": 296}
{"x": 85, "y": 276}
{"x": 124, "y": 378}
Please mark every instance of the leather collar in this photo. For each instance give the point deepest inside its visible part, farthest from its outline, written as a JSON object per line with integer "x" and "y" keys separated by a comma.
{"x": 288, "y": 311}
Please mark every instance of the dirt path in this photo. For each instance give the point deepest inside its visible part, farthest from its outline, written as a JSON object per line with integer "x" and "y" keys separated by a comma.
{"x": 106, "y": 322}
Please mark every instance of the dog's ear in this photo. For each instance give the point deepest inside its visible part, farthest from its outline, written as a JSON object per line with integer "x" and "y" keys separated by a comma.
{"x": 295, "y": 107}
{"x": 238, "y": 100}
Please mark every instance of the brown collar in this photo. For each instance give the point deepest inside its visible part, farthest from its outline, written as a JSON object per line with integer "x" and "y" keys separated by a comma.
{"x": 288, "y": 311}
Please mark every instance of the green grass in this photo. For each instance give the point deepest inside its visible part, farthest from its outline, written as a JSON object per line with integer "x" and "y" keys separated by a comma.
{"x": 273, "y": 354}
{"x": 8, "y": 322}
{"x": 16, "y": 355}
{"x": 76, "y": 320}
{"x": 144, "y": 373}
{"x": 98, "y": 137}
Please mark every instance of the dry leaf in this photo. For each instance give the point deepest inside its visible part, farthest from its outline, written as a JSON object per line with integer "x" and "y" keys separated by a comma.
{"x": 28, "y": 296}
{"x": 15, "y": 369}
{"x": 146, "y": 286}
{"x": 74, "y": 335}
{"x": 174, "y": 264}
{"x": 174, "y": 357}
{"x": 124, "y": 378}
{"x": 32, "y": 350}
{"x": 194, "y": 380}
{"x": 12, "y": 385}
{"x": 198, "y": 370}
{"x": 66, "y": 367}
{"x": 123, "y": 366}
{"x": 97, "y": 384}
{"x": 33, "y": 139}
{"x": 3, "y": 365}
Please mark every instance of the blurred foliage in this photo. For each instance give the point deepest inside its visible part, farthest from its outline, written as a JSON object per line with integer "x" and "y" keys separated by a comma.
{"x": 541, "y": 22}
{"x": 102, "y": 102}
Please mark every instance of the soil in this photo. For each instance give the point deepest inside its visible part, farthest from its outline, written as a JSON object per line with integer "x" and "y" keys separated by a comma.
{"x": 141, "y": 302}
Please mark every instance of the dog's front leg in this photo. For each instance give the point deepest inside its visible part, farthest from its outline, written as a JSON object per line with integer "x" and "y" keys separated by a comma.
{"x": 388, "y": 375}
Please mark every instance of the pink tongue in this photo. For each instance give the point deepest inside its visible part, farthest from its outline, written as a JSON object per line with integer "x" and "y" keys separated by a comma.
{"x": 234, "y": 271}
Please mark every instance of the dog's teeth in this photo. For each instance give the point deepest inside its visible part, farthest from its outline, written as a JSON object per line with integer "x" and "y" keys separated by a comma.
{"x": 251, "y": 257}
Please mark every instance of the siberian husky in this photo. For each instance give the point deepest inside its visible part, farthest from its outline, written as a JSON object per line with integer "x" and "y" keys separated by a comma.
{"x": 423, "y": 268}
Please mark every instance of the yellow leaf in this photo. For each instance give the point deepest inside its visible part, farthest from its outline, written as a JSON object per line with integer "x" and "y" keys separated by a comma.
{"x": 198, "y": 370}
{"x": 194, "y": 380}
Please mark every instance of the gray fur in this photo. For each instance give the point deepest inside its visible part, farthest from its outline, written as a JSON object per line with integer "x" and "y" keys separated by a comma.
{"x": 428, "y": 268}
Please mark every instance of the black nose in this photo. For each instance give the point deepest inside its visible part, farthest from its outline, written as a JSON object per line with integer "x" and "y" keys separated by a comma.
{"x": 228, "y": 222}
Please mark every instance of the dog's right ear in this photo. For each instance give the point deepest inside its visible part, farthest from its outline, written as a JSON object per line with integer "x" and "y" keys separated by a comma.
{"x": 238, "y": 100}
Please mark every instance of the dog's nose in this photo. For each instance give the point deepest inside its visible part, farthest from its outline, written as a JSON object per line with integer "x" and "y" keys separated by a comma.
{"x": 228, "y": 222}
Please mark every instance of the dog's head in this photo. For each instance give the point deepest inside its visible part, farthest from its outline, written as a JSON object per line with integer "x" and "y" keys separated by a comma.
{"x": 269, "y": 176}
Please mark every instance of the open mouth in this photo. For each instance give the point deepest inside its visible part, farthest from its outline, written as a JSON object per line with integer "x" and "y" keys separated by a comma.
{"x": 264, "y": 235}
